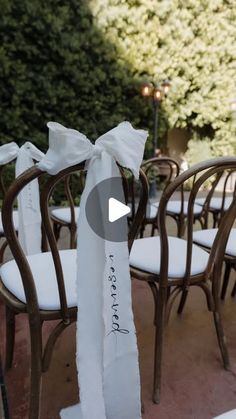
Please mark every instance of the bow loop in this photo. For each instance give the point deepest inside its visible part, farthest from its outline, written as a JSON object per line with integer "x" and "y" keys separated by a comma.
{"x": 67, "y": 147}
{"x": 8, "y": 152}
{"x": 126, "y": 145}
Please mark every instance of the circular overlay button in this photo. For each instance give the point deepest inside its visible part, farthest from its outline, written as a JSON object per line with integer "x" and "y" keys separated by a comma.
{"x": 106, "y": 210}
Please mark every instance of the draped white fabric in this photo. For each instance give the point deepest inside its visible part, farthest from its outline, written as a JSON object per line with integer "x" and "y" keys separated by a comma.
{"x": 107, "y": 357}
{"x": 29, "y": 226}
{"x": 29, "y": 229}
{"x": 8, "y": 152}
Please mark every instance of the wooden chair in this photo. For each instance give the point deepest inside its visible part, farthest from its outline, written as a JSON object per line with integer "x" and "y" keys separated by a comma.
{"x": 68, "y": 216}
{"x": 171, "y": 265}
{"x": 205, "y": 239}
{"x": 43, "y": 285}
{"x": 160, "y": 171}
{"x": 15, "y": 212}
{"x": 217, "y": 203}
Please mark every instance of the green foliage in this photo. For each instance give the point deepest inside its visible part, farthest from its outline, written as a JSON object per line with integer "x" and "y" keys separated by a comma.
{"x": 81, "y": 62}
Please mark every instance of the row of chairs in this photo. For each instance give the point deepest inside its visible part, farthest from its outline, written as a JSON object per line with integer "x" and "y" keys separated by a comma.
{"x": 43, "y": 285}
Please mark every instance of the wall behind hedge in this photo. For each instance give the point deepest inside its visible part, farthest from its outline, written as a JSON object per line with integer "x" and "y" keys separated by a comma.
{"x": 80, "y": 63}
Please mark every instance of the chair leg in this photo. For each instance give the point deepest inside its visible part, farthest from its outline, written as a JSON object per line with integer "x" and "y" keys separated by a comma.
{"x": 10, "y": 337}
{"x": 233, "y": 293}
{"x": 36, "y": 371}
{"x": 158, "y": 345}
{"x": 2, "y": 250}
{"x": 142, "y": 230}
{"x": 225, "y": 280}
{"x": 218, "y": 325}
{"x": 181, "y": 225}
{"x": 221, "y": 340}
{"x": 56, "y": 230}
{"x": 182, "y": 301}
{"x": 153, "y": 229}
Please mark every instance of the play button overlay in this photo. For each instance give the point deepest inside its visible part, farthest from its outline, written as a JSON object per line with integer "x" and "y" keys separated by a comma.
{"x": 106, "y": 210}
{"x": 116, "y": 210}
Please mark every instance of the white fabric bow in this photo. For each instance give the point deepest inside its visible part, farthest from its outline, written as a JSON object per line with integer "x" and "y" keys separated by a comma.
{"x": 107, "y": 356}
{"x": 29, "y": 218}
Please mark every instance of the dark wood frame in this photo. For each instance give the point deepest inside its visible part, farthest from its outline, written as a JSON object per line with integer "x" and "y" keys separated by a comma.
{"x": 174, "y": 170}
{"x": 72, "y": 225}
{"x": 165, "y": 291}
{"x": 40, "y": 357}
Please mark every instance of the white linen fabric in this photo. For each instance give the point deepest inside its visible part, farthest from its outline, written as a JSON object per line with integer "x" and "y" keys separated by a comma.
{"x": 107, "y": 357}
{"x": 8, "y": 152}
{"x": 27, "y": 219}
{"x": 29, "y": 226}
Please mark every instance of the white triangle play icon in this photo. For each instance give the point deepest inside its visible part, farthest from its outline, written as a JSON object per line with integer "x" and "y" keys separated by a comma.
{"x": 116, "y": 210}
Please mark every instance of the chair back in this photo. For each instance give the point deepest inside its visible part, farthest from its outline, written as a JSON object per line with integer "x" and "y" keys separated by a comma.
{"x": 204, "y": 171}
{"x": 161, "y": 170}
{"x": 47, "y": 186}
{"x": 219, "y": 187}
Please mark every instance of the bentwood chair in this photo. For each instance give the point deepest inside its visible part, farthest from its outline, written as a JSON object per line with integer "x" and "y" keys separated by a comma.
{"x": 67, "y": 216}
{"x": 43, "y": 285}
{"x": 160, "y": 172}
{"x": 171, "y": 266}
{"x": 217, "y": 203}
{"x": 15, "y": 212}
{"x": 167, "y": 169}
{"x": 205, "y": 239}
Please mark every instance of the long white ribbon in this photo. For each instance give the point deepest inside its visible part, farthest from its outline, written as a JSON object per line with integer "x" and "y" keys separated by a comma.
{"x": 29, "y": 218}
{"x": 107, "y": 356}
{"x": 29, "y": 227}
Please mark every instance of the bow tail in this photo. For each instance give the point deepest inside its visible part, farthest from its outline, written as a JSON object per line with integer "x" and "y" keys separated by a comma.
{"x": 29, "y": 224}
{"x": 121, "y": 380}
{"x": 107, "y": 358}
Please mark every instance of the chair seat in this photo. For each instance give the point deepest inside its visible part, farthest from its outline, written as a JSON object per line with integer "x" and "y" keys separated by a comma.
{"x": 15, "y": 221}
{"x": 43, "y": 271}
{"x": 64, "y": 214}
{"x": 228, "y": 415}
{"x": 216, "y": 203}
{"x": 206, "y": 238}
{"x": 145, "y": 255}
{"x": 175, "y": 207}
{"x": 151, "y": 210}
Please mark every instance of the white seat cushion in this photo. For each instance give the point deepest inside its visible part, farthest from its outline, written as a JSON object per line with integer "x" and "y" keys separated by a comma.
{"x": 63, "y": 214}
{"x": 227, "y": 415}
{"x": 151, "y": 210}
{"x": 15, "y": 221}
{"x": 216, "y": 203}
{"x": 206, "y": 238}
{"x": 175, "y": 207}
{"x": 43, "y": 271}
{"x": 145, "y": 255}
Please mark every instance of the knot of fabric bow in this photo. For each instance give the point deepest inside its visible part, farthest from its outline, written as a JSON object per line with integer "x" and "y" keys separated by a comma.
{"x": 68, "y": 147}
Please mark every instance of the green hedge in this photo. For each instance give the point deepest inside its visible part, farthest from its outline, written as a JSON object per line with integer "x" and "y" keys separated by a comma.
{"x": 81, "y": 62}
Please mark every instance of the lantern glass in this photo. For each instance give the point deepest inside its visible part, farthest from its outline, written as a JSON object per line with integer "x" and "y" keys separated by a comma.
{"x": 146, "y": 89}
{"x": 157, "y": 94}
{"x": 166, "y": 87}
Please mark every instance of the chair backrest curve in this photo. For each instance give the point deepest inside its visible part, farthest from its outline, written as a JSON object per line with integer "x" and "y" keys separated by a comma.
{"x": 204, "y": 170}
{"x": 45, "y": 193}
